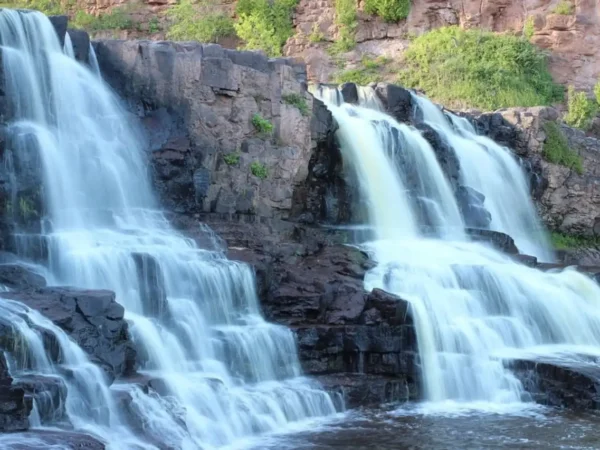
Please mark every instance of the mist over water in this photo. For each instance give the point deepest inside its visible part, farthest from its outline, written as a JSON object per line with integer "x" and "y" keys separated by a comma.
{"x": 227, "y": 373}
{"x": 473, "y": 307}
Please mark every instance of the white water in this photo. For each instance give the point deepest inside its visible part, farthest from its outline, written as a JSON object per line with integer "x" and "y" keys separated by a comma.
{"x": 229, "y": 373}
{"x": 472, "y": 306}
{"x": 493, "y": 171}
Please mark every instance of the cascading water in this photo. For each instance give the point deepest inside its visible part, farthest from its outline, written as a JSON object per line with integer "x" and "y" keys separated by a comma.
{"x": 493, "y": 171}
{"x": 230, "y": 373}
{"x": 473, "y": 307}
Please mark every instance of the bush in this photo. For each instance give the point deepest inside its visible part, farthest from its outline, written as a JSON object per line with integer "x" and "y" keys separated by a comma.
{"x": 370, "y": 72}
{"x": 265, "y": 24}
{"x": 529, "y": 28}
{"x": 298, "y": 101}
{"x": 263, "y": 126}
{"x": 597, "y": 92}
{"x": 564, "y": 7}
{"x": 117, "y": 19}
{"x": 562, "y": 241}
{"x": 388, "y": 10}
{"x": 259, "y": 170}
{"x": 153, "y": 25}
{"x": 556, "y": 149}
{"x": 581, "y": 109}
{"x": 345, "y": 17}
{"x": 316, "y": 35}
{"x": 198, "y": 22}
{"x": 479, "y": 69}
{"x": 48, "y": 7}
{"x": 231, "y": 159}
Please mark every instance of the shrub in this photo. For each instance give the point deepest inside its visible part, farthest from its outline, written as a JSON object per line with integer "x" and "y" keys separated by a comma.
{"x": 556, "y": 149}
{"x": 564, "y": 7}
{"x": 48, "y": 7}
{"x": 316, "y": 35}
{"x": 581, "y": 110}
{"x": 388, "y": 10}
{"x": 479, "y": 69}
{"x": 263, "y": 126}
{"x": 597, "y": 92}
{"x": 153, "y": 25}
{"x": 231, "y": 159}
{"x": 529, "y": 28}
{"x": 370, "y": 72}
{"x": 198, "y": 22}
{"x": 345, "y": 17}
{"x": 562, "y": 241}
{"x": 259, "y": 170}
{"x": 298, "y": 101}
{"x": 117, "y": 19}
{"x": 265, "y": 24}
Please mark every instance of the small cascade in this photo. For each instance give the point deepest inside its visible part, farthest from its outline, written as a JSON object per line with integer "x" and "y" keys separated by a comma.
{"x": 194, "y": 315}
{"x": 473, "y": 307}
{"x": 93, "y": 61}
{"x": 493, "y": 171}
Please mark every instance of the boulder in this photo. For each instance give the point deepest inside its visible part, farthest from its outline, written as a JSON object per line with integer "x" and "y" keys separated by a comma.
{"x": 92, "y": 318}
{"x": 349, "y": 93}
{"x": 60, "y": 24}
{"x": 501, "y": 241}
{"x": 471, "y": 205}
{"x": 81, "y": 45}
{"x": 49, "y": 393}
{"x": 18, "y": 276}
{"x": 396, "y": 100}
{"x": 15, "y": 404}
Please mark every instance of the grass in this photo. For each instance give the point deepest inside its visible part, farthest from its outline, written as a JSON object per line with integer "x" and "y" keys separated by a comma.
{"x": 581, "y": 109}
{"x": 347, "y": 21}
{"x": 231, "y": 159}
{"x": 479, "y": 69}
{"x": 153, "y": 25}
{"x": 556, "y": 149}
{"x": 262, "y": 125}
{"x": 117, "y": 19}
{"x": 597, "y": 92}
{"x": 316, "y": 35}
{"x": 48, "y": 7}
{"x": 298, "y": 101}
{"x": 198, "y": 22}
{"x": 564, "y": 7}
{"x": 259, "y": 170}
{"x": 529, "y": 27}
{"x": 388, "y": 10}
{"x": 561, "y": 241}
{"x": 370, "y": 72}
{"x": 265, "y": 24}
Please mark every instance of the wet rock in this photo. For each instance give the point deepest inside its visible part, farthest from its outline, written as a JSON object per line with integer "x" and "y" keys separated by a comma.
{"x": 49, "y": 394}
{"x": 571, "y": 384}
{"x": 91, "y": 318}
{"x": 443, "y": 152}
{"x": 16, "y": 276}
{"x": 152, "y": 285}
{"x": 67, "y": 440}
{"x": 471, "y": 205}
{"x": 60, "y": 25}
{"x": 81, "y": 44}
{"x": 349, "y": 93}
{"x": 498, "y": 240}
{"x": 396, "y": 100}
{"x": 15, "y": 404}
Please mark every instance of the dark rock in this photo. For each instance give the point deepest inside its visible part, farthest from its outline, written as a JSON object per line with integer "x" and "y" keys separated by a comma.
{"x": 396, "y": 100}
{"x": 152, "y": 285}
{"x": 528, "y": 260}
{"x": 471, "y": 205}
{"x": 500, "y": 241}
{"x": 71, "y": 440}
{"x": 49, "y": 393}
{"x": 16, "y": 276}
{"x": 88, "y": 317}
{"x": 574, "y": 384}
{"x": 81, "y": 45}
{"x": 60, "y": 25}
{"x": 349, "y": 93}
{"x": 15, "y": 404}
{"x": 443, "y": 152}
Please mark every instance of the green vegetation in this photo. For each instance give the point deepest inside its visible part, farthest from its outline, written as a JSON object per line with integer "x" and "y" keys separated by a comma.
{"x": 48, "y": 7}
{"x": 117, "y": 19}
{"x": 556, "y": 149}
{"x": 564, "y": 7}
{"x": 562, "y": 241}
{"x": 597, "y": 92}
{"x": 316, "y": 35}
{"x": 265, "y": 24}
{"x": 231, "y": 159}
{"x": 370, "y": 72}
{"x": 259, "y": 170}
{"x": 345, "y": 17}
{"x": 298, "y": 101}
{"x": 26, "y": 208}
{"x": 388, "y": 10}
{"x": 479, "y": 69}
{"x": 263, "y": 126}
{"x": 529, "y": 28}
{"x": 581, "y": 110}
{"x": 153, "y": 25}
{"x": 198, "y": 21}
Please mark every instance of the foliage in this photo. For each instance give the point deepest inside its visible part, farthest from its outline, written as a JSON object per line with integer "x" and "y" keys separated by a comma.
{"x": 117, "y": 19}
{"x": 153, "y": 25}
{"x": 265, "y": 24}
{"x": 556, "y": 149}
{"x": 346, "y": 18}
{"x": 231, "y": 159}
{"x": 198, "y": 22}
{"x": 597, "y": 92}
{"x": 581, "y": 110}
{"x": 298, "y": 101}
{"x": 529, "y": 27}
{"x": 370, "y": 72}
{"x": 26, "y": 208}
{"x": 388, "y": 10}
{"x": 316, "y": 35}
{"x": 263, "y": 126}
{"x": 564, "y": 7}
{"x": 259, "y": 170}
{"x": 48, "y": 7}
{"x": 562, "y": 241}
{"x": 479, "y": 68}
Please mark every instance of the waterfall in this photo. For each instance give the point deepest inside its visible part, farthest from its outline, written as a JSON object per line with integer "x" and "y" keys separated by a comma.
{"x": 493, "y": 171}
{"x": 229, "y": 373}
{"x": 473, "y": 307}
